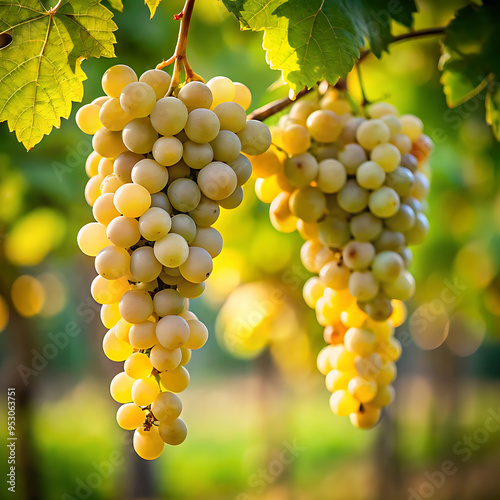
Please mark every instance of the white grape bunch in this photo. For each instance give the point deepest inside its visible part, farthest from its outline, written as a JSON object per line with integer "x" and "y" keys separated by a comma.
{"x": 354, "y": 187}
{"x": 161, "y": 168}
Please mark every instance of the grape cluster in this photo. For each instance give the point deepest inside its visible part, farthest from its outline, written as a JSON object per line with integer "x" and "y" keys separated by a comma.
{"x": 161, "y": 168}
{"x": 354, "y": 187}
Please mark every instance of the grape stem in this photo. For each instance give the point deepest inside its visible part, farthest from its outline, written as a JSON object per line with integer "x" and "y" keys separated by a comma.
{"x": 179, "y": 58}
{"x": 280, "y": 104}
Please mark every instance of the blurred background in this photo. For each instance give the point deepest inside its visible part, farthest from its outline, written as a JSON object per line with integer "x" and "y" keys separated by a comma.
{"x": 257, "y": 410}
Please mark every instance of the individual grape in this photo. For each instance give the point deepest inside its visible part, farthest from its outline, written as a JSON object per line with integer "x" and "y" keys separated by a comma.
{"x": 333, "y": 232}
{"x": 165, "y": 359}
{"x": 389, "y": 240}
{"x": 337, "y": 381}
{"x": 122, "y": 328}
{"x": 379, "y": 309}
{"x": 178, "y": 171}
{"x": 362, "y": 389}
{"x": 403, "y": 220}
{"x": 110, "y": 315}
{"x": 143, "y": 335}
{"x": 255, "y": 138}
{"x": 421, "y": 186}
{"x": 386, "y": 374}
{"x": 121, "y": 388}
{"x": 352, "y": 156}
{"x": 143, "y": 264}
{"x": 242, "y": 95}
{"x": 112, "y": 262}
{"x": 154, "y": 224}
{"x": 411, "y": 126}
{"x": 371, "y": 133}
{"x": 92, "y": 164}
{"x": 105, "y": 167}
{"x": 351, "y": 126}
{"x": 166, "y": 407}
{"x": 190, "y": 290}
{"x": 123, "y": 164}
{"x": 169, "y": 116}
{"x": 150, "y": 174}
{"x": 301, "y": 170}
{"x": 393, "y": 123}
{"x": 226, "y": 146}
{"x": 172, "y": 331}
{"x": 196, "y": 95}
{"x": 359, "y": 341}
{"x": 308, "y": 203}
{"x": 379, "y": 109}
{"x": 148, "y": 443}
{"x": 112, "y": 115}
{"x": 198, "y": 335}
{"x": 175, "y": 380}
{"x": 107, "y": 143}
{"x": 202, "y": 125}
{"x": 197, "y": 155}
{"x": 384, "y": 202}
{"x": 139, "y": 135}
{"x": 343, "y": 404}
{"x": 160, "y": 200}
{"x": 167, "y": 150}
{"x": 234, "y": 200}
{"x": 116, "y": 78}
{"x": 144, "y": 391}
{"x": 198, "y": 266}
{"x": 172, "y": 250}
{"x": 186, "y": 356}
{"x": 384, "y": 397}
{"x": 138, "y": 365}
{"x": 92, "y": 238}
{"x": 110, "y": 184}
{"x": 231, "y": 116}
{"x": 401, "y": 180}
{"x": 324, "y": 125}
{"x": 387, "y": 266}
{"x": 335, "y": 275}
{"x": 419, "y": 230}
{"x": 402, "y": 142}
{"x": 208, "y": 238}
{"x": 387, "y": 156}
{"x": 130, "y": 416}
{"x": 363, "y": 286}
{"x": 100, "y": 100}
{"x": 87, "y": 119}
{"x": 410, "y": 162}
{"x": 123, "y": 232}
{"x": 326, "y": 152}
{"x": 106, "y": 291}
{"x": 365, "y": 227}
{"x": 332, "y": 176}
{"x": 206, "y": 213}
{"x": 115, "y": 349}
{"x": 368, "y": 367}
{"x": 137, "y": 99}
{"x": 173, "y": 432}
{"x": 402, "y": 288}
{"x": 185, "y": 226}
{"x": 136, "y": 306}
{"x": 132, "y": 200}
{"x": 184, "y": 194}
{"x": 168, "y": 302}
{"x": 265, "y": 164}
{"x": 296, "y": 139}
{"x": 300, "y": 110}
{"x": 222, "y": 89}
{"x": 358, "y": 255}
{"x": 217, "y": 180}
{"x": 353, "y": 198}
{"x": 370, "y": 175}
{"x": 158, "y": 80}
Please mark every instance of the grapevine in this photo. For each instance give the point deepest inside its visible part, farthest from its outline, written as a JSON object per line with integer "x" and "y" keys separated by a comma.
{"x": 167, "y": 156}
{"x": 354, "y": 188}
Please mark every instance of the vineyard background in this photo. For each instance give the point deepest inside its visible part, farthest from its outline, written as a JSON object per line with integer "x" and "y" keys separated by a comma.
{"x": 243, "y": 414}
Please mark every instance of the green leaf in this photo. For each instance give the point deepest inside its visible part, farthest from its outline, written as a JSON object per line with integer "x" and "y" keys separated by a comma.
{"x": 493, "y": 110}
{"x": 319, "y": 39}
{"x": 116, "y": 4}
{"x": 40, "y": 71}
{"x": 152, "y": 5}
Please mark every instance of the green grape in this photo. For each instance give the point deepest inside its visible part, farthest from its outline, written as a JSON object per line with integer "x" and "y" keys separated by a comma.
{"x": 178, "y": 171}
{"x": 352, "y": 198}
{"x": 421, "y": 186}
{"x": 123, "y": 165}
{"x": 226, "y": 146}
{"x": 384, "y": 397}
{"x": 358, "y": 255}
{"x": 217, "y": 180}
{"x": 326, "y": 152}
{"x": 155, "y": 223}
{"x": 160, "y": 200}
{"x": 136, "y": 306}
{"x": 402, "y": 142}
{"x": 137, "y": 99}
{"x": 371, "y": 133}
{"x": 105, "y": 167}
{"x": 411, "y": 126}
{"x": 208, "y": 238}
{"x": 387, "y": 266}
{"x": 255, "y": 138}
{"x": 365, "y": 227}
{"x": 185, "y": 226}
{"x": 384, "y": 202}
{"x": 231, "y": 116}
{"x": 167, "y": 150}
{"x": 402, "y": 288}
{"x": 172, "y": 250}
{"x": 106, "y": 291}
{"x": 197, "y": 155}
{"x": 335, "y": 275}
{"x": 169, "y": 116}
{"x": 387, "y": 156}
{"x": 333, "y": 232}
{"x": 343, "y": 404}
{"x": 198, "y": 335}
{"x": 401, "y": 180}
{"x": 296, "y": 139}
{"x": 379, "y": 109}
{"x": 410, "y": 162}
{"x": 143, "y": 335}
{"x": 138, "y": 365}
{"x": 123, "y": 232}
{"x": 206, "y": 213}
{"x": 174, "y": 432}
{"x": 367, "y": 418}
{"x": 107, "y": 143}
{"x": 370, "y": 175}
{"x": 379, "y": 309}
{"x": 234, "y": 200}
{"x": 114, "y": 348}
{"x": 242, "y": 95}
{"x": 301, "y": 170}
{"x": 407, "y": 256}
{"x": 359, "y": 341}
{"x": 403, "y": 220}
{"x": 130, "y": 416}
{"x": 184, "y": 194}
{"x": 166, "y": 407}
{"x": 92, "y": 238}
{"x": 202, "y": 125}
{"x": 116, "y": 78}
{"x": 121, "y": 388}
{"x": 100, "y": 100}
{"x": 175, "y": 380}
{"x": 363, "y": 286}
{"x": 419, "y": 231}
{"x": 332, "y": 176}
{"x": 88, "y": 120}
{"x": 112, "y": 115}
{"x": 369, "y": 366}
{"x": 190, "y": 290}
{"x": 351, "y": 126}
{"x": 308, "y": 204}
{"x": 165, "y": 359}
{"x": 139, "y": 135}
{"x": 158, "y": 80}
{"x": 362, "y": 389}
{"x": 110, "y": 184}
{"x": 144, "y": 391}
{"x": 222, "y": 89}
{"x": 198, "y": 266}
{"x": 112, "y": 262}
{"x": 150, "y": 174}
{"x": 148, "y": 443}
{"x": 172, "y": 331}
{"x": 168, "y": 302}
{"x": 324, "y": 125}
{"x": 196, "y": 95}
{"x": 143, "y": 264}
{"x": 132, "y": 200}
{"x": 393, "y": 123}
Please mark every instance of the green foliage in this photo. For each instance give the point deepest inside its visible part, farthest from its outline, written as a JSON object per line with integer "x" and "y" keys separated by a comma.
{"x": 40, "y": 71}
{"x": 471, "y": 49}
{"x": 319, "y": 39}
{"x": 152, "y": 5}
{"x": 116, "y": 4}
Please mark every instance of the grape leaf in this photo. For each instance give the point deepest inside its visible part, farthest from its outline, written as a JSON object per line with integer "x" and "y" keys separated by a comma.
{"x": 116, "y": 4}
{"x": 319, "y": 39}
{"x": 152, "y": 5}
{"x": 493, "y": 110}
{"x": 40, "y": 70}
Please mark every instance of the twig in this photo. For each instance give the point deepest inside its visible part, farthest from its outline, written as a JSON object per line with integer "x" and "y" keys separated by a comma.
{"x": 275, "y": 107}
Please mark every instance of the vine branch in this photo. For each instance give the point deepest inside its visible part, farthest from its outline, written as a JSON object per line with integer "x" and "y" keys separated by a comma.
{"x": 280, "y": 104}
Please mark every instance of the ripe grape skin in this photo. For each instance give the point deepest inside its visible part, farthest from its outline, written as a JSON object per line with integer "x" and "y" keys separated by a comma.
{"x": 202, "y": 125}
{"x": 217, "y": 180}
{"x": 384, "y": 202}
{"x": 352, "y": 156}
{"x": 137, "y": 99}
{"x": 255, "y": 138}
{"x": 196, "y": 95}
{"x": 301, "y": 170}
{"x": 231, "y": 116}
{"x": 155, "y": 223}
{"x": 365, "y": 227}
{"x": 352, "y": 198}
{"x": 197, "y": 155}
{"x": 226, "y": 146}
{"x": 158, "y": 80}
{"x": 308, "y": 203}
{"x": 116, "y": 78}
{"x": 184, "y": 194}
{"x": 332, "y": 176}
{"x": 139, "y": 135}
{"x": 169, "y": 116}
{"x": 172, "y": 250}
{"x": 150, "y": 174}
